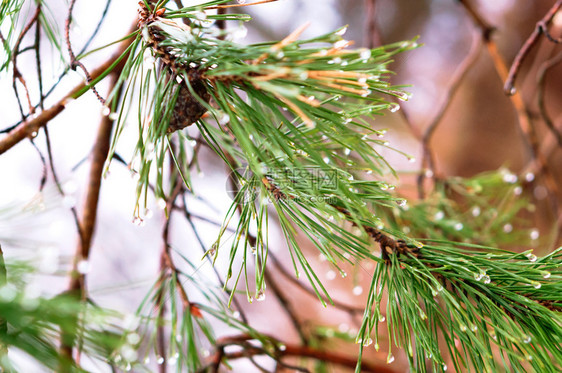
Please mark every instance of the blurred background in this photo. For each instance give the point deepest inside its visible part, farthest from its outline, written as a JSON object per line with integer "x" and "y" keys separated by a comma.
{"x": 479, "y": 131}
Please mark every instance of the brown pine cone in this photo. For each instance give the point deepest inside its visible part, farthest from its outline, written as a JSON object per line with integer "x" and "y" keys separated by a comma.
{"x": 188, "y": 109}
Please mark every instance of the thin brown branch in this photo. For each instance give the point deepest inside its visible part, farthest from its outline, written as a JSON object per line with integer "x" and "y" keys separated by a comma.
{"x": 525, "y": 123}
{"x": 73, "y": 61}
{"x": 287, "y": 306}
{"x": 428, "y": 159}
{"x": 541, "y": 27}
{"x": 88, "y": 216}
{"x": 288, "y": 350}
{"x": 342, "y": 306}
{"x": 17, "y": 75}
{"x": 541, "y": 82}
{"x": 373, "y": 37}
{"x": 30, "y": 128}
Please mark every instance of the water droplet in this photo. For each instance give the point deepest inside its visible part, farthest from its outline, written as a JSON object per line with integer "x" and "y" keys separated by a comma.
{"x": 402, "y": 202}
{"x": 105, "y": 111}
{"x": 474, "y": 328}
{"x": 507, "y": 228}
{"x": 172, "y": 361}
{"x": 463, "y": 328}
{"x": 459, "y": 226}
{"x": 390, "y": 359}
{"x": 34, "y": 134}
{"x": 478, "y": 276}
{"x": 529, "y": 357}
{"x": 201, "y": 16}
{"x": 377, "y": 346}
{"x": 147, "y": 360}
{"x": 394, "y": 107}
{"x": 343, "y": 274}
{"x": 69, "y": 202}
{"x": 445, "y": 367}
{"x": 403, "y": 96}
{"x": 358, "y": 290}
{"x": 487, "y": 279}
{"x": 337, "y": 60}
{"x": 341, "y": 31}
{"x": 241, "y": 1}
{"x": 159, "y": 360}
{"x": 367, "y": 342}
{"x": 529, "y": 176}
{"x": 536, "y": 284}
{"x": 423, "y": 315}
{"x": 517, "y": 191}
{"x": 224, "y": 119}
{"x": 411, "y": 159}
{"x": 476, "y": 211}
{"x": 512, "y": 91}
{"x": 330, "y": 275}
{"x": 439, "y": 215}
{"x": 382, "y": 318}
{"x": 546, "y": 274}
{"x": 510, "y": 178}
{"x": 527, "y": 339}
{"x": 532, "y": 257}
{"x": 347, "y": 151}
{"x": 365, "y": 54}
{"x": 326, "y": 160}
{"x": 534, "y": 234}
{"x": 83, "y": 267}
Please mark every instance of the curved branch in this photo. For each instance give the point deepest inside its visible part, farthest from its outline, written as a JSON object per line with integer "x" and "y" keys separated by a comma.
{"x": 509, "y": 87}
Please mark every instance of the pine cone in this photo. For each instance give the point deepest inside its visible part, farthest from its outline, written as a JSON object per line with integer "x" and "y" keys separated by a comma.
{"x": 188, "y": 109}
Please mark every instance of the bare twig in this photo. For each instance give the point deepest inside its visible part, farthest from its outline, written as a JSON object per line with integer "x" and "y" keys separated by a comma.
{"x": 525, "y": 122}
{"x": 73, "y": 61}
{"x": 288, "y": 350}
{"x": 88, "y": 216}
{"x": 428, "y": 160}
{"x": 541, "y": 82}
{"x": 17, "y": 75}
{"x": 342, "y": 306}
{"x": 373, "y": 37}
{"x": 30, "y": 128}
{"x": 541, "y": 27}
